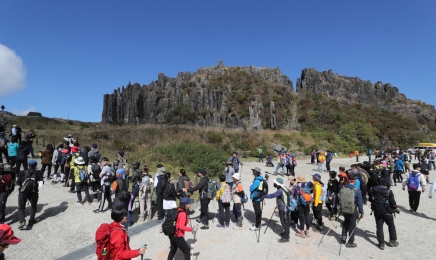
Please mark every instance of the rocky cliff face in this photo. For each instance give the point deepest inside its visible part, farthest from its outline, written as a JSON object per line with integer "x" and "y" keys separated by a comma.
{"x": 348, "y": 90}
{"x": 218, "y": 96}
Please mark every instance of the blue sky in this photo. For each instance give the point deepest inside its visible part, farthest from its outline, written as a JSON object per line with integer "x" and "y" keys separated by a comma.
{"x": 61, "y": 57}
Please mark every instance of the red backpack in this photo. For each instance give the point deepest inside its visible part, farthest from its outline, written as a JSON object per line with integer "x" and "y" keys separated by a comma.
{"x": 102, "y": 241}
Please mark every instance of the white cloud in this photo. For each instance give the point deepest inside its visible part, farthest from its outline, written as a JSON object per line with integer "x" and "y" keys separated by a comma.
{"x": 23, "y": 112}
{"x": 12, "y": 71}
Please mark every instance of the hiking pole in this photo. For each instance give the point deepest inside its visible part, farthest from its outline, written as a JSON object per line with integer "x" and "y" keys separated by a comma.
{"x": 142, "y": 255}
{"x": 349, "y": 237}
{"x": 270, "y": 219}
{"x": 324, "y": 236}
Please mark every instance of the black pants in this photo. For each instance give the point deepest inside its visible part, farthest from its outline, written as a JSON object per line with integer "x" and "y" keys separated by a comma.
{"x": 12, "y": 160}
{"x": 357, "y": 158}
{"x": 73, "y": 181}
{"x": 4, "y": 151}
{"x": 18, "y": 165}
{"x": 312, "y": 159}
{"x": 333, "y": 210}
{"x": 303, "y": 216}
{"x": 285, "y": 220}
{"x": 294, "y": 216}
{"x": 159, "y": 205}
{"x": 106, "y": 195}
{"x": 179, "y": 242}
{"x": 3, "y": 199}
{"x": 327, "y": 165}
{"x": 56, "y": 168}
{"x": 260, "y": 157}
{"x": 224, "y": 210}
{"x": 399, "y": 176}
{"x": 387, "y": 218}
{"x": 48, "y": 169}
{"x": 204, "y": 216}
{"x": 414, "y": 199}
{"x": 317, "y": 214}
{"x": 257, "y": 212}
{"x": 82, "y": 186}
{"x": 364, "y": 190}
{"x": 22, "y": 199}
{"x": 349, "y": 225}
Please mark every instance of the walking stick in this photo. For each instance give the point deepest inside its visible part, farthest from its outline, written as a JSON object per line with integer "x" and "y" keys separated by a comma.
{"x": 340, "y": 247}
{"x": 324, "y": 236}
{"x": 270, "y": 219}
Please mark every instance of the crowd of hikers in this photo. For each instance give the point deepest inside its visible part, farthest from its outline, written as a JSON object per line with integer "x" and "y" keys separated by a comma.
{"x": 300, "y": 202}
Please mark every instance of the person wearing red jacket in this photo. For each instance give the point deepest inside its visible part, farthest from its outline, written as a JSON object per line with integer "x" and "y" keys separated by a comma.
{"x": 119, "y": 239}
{"x": 178, "y": 240}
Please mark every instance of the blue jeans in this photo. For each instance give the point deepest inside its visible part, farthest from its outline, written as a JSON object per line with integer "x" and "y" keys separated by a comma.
{"x": 29, "y": 146}
{"x": 280, "y": 166}
{"x": 321, "y": 167}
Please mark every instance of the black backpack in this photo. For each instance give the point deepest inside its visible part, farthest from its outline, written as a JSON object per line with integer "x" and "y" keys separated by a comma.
{"x": 30, "y": 184}
{"x": 379, "y": 198}
{"x": 160, "y": 186}
{"x": 96, "y": 170}
{"x": 60, "y": 156}
{"x": 169, "y": 225}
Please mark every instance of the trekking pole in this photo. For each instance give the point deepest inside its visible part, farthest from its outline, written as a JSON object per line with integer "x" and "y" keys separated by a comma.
{"x": 340, "y": 247}
{"x": 324, "y": 236}
{"x": 142, "y": 255}
{"x": 270, "y": 219}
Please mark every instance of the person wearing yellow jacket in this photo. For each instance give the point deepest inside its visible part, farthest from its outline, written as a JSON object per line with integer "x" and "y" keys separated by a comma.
{"x": 317, "y": 202}
{"x": 321, "y": 162}
{"x": 79, "y": 164}
{"x": 224, "y": 196}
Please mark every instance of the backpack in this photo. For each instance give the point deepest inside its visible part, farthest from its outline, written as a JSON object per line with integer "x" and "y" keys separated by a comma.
{"x": 406, "y": 157}
{"x": 226, "y": 196}
{"x": 2, "y": 143}
{"x": 379, "y": 199}
{"x": 30, "y": 184}
{"x": 96, "y": 170}
{"x": 159, "y": 187}
{"x": 83, "y": 175}
{"x": 211, "y": 189}
{"x": 324, "y": 193}
{"x": 169, "y": 225}
{"x": 59, "y": 156}
{"x": 282, "y": 161}
{"x": 413, "y": 182}
{"x": 294, "y": 162}
{"x": 263, "y": 188}
{"x": 289, "y": 200}
{"x": 102, "y": 241}
{"x": 124, "y": 195}
{"x": 346, "y": 200}
{"x": 124, "y": 164}
{"x": 146, "y": 183}
{"x": 305, "y": 197}
{"x": 363, "y": 178}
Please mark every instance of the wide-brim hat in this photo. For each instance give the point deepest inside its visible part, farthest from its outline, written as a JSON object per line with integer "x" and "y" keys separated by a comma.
{"x": 186, "y": 200}
{"x": 257, "y": 169}
{"x": 317, "y": 177}
{"x": 79, "y": 161}
{"x": 7, "y": 235}
{"x": 301, "y": 178}
{"x": 279, "y": 181}
{"x": 236, "y": 176}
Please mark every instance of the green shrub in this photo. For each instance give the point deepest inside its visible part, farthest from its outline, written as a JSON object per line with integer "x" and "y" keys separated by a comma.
{"x": 214, "y": 137}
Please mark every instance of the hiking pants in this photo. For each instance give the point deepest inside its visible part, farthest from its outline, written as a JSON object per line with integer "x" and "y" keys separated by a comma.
{"x": 364, "y": 190}
{"x": 30, "y": 147}
{"x": 303, "y": 216}
{"x": 387, "y": 218}
{"x": 3, "y": 199}
{"x": 238, "y": 213}
{"x": 349, "y": 225}
{"x": 317, "y": 214}
{"x": 144, "y": 201}
{"x": 4, "y": 151}
{"x": 399, "y": 175}
{"x": 159, "y": 204}
{"x": 285, "y": 220}
{"x": 106, "y": 195}
{"x": 327, "y": 164}
{"x": 48, "y": 169}
{"x": 430, "y": 163}
{"x": 257, "y": 213}
{"x": 82, "y": 186}
{"x": 320, "y": 167}
{"x": 294, "y": 217}
{"x": 357, "y": 158}
{"x": 12, "y": 161}
{"x": 260, "y": 157}
{"x": 179, "y": 242}
{"x": 18, "y": 166}
{"x": 280, "y": 166}
{"x": 369, "y": 158}
{"x": 224, "y": 213}
{"x": 312, "y": 159}
{"x": 204, "y": 216}
{"x": 22, "y": 200}
{"x": 414, "y": 199}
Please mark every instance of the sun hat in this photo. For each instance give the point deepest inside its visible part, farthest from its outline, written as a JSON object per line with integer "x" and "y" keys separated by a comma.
{"x": 279, "y": 181}
{"x": 317, "y": 177}
{"x": 7, "y": 235}
{"x": 79, "y": 161}
{"x": 257, "y": 169}
{"x": 301, "y": 178}
{"x": 186, "y": 200}
{"x": 32, "y": 162}
{"x": 236, "y": 176}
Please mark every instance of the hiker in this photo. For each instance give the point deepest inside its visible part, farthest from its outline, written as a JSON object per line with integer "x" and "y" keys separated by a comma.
{"x": 56, "y": 161}
{"x": 145, "y": 194}
{"x": 120, "y": 185}
{"x": 356, "y": 153}
{"x": 119, "y": 238}
{"x": 12, "y": 152}
{"x": 425, "y": 169}
{"x": 256, "y": 190}
{"x": 202, "y": 187}
{"x": 282, "y": 198}
{"x": 332, "y": 195}
{"x": 6, "y": 186}
{"x": 238, "y": 195}
{"x": 292, "y": 187}
{"x": 47, "y": 156}
{"x": 303, "y": 194}
{"x": 369, "y": 153}
{"x": 178, "y": 240}
{"x": 260, "y": 154}
{"x": 134, "y": 177}
{"x": 95, "y": 152}
{"x": 94, "y": 170}
{"x": 398, "y": 175}
{"x": 29, "y": 141}
{"x": 350, "y": 199}
{"x": 65, "y": 167}
{"x": 292, "y": 164}
{"x": 133, "y": 188}
{"x": 4, "y": 147}
{"x": 235, "y": 162}
{"x": 288, "y": 163}
{"x": 343, "y": 177}
{"x": 321, "y": 162}
{"x": 169, "y": 194}
{"x": 7, "y": 238}
{"x": 159, "y": 199}
{"x": 229, "y": 171}
{"x": 269, "y": 162}
{"x": 329, "y": 158}
{"x": 317, "y": 202}
{"x": 70, "y": 159}
{"x": 81, "y": 184}
{"x": 28, "y": 191}
{"x": 184, "y": 182}
{"x": 384, "y": 205}
{"x": 224, "y": 197}
{"x": 69, "y": 140}
{"x": 281, "y": 161}
{"x": 105, "y": 182}
{"x": 416, "y": 183}
{"x": 312, "y": 156}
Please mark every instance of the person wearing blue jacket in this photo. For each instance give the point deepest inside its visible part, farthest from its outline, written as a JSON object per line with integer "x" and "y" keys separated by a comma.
{"x": 12, "y": 149}
{"x": 350, "y": 219}
{"x": 255, "y": 195}
{"x": 399, "y": 166}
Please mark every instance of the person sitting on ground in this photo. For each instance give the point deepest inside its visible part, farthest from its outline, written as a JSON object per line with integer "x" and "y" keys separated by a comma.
{"x": 119, "y": 239}
{"x": 269, "y": 162}
{"x": 7, "y": 238}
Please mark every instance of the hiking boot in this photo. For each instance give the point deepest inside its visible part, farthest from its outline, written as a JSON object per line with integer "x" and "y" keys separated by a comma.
{"x": 300, "y": 234}
{"x": 381, "y": 246}
{"x": 32, "y": 222}
{"x": 49, "y": 178}
{"x": 71, "y": 191}
{"x": 253, "y": 228}
{"x": 205, "y": 227}
{"x": 159, "y": 221}
{"x": 22, "y": 224}
{"x": 227, "y": 225}
{"x": 220, "y": 226}
{"x": 237, "y": 228}
{"x": 343, "y": 239}
{"x": 414, "y": 212}
{"x": 283, "y": 240}
{"x": 351, "y": 245}
{"x": 393, "y": 243}
{"x": 97, "y": 211}
{"x": 321, "y": 230}
{"x": 79, "y": 202}
{"x": 306, "y": 232}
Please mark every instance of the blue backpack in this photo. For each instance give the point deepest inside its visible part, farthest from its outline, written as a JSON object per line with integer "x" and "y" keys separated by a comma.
{"x": 413, "y": 182}
{"x": 324, "y": 193}
{"x": 289, "y": 200}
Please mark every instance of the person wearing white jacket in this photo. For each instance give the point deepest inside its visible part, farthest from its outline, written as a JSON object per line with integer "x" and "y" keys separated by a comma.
{"x": 432, "y": 189}
{"x": 414, "y": 188}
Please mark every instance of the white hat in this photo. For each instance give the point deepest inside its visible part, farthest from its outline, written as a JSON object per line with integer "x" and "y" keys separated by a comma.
{"x": 237, "y": 176}
{"x": 79, "y": 161}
